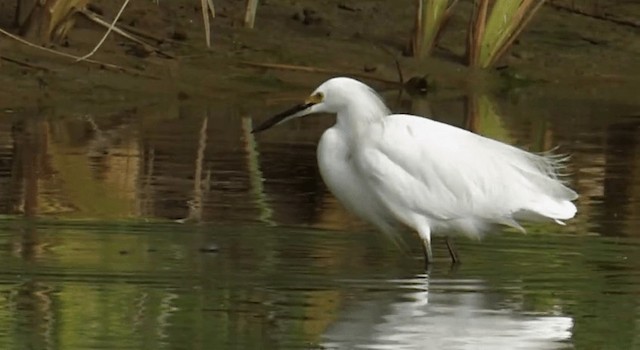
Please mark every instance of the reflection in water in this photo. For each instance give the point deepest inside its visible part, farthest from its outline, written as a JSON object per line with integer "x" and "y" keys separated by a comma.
{"x": 619, "y": 195}
{"x": 482, "y": 118}
{"x": 109, "y": 281}
{"x": 191, "y": 162}
{"x": 253, "y": 164}
{"x": 195, "y": 204}
{"x": 147, "y": 287}
{"x": 423, "y": 319}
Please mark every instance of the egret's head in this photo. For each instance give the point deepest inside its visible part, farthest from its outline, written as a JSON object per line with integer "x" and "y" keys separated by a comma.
{"x": 330, "y": 97}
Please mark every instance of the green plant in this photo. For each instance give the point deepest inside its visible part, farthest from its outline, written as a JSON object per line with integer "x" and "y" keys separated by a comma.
{"x": 250, "y": 13}
{"x": 49, "y": 20}
{"x": 431, "y": 17}
{"x": 207, "y": 8}
{"x": 494, "y": 26}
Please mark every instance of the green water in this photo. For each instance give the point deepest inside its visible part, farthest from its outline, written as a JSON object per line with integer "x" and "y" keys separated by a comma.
{"x": 171, "y": 227}
{"x": 149, "y": 286}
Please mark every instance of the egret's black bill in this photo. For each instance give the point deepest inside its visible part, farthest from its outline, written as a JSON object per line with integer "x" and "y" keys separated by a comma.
{"x": 280, "y": 117}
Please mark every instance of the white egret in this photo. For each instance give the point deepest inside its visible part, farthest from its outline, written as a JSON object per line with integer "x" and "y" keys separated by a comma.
{"x": 396, "y": 170}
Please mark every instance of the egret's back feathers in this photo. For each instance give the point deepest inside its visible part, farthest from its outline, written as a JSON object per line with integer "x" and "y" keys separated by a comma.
{"x": 457, "y": 179}
{"x": 398, "y": 169}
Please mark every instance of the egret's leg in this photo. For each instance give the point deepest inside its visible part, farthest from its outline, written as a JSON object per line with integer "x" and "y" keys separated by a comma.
{"x": 425, "y": 234}
{"x": 452, "y": 250}
{"x": 428, "y": 255}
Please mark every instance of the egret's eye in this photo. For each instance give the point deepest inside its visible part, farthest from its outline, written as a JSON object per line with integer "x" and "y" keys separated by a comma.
{"x": 315, "y": 98}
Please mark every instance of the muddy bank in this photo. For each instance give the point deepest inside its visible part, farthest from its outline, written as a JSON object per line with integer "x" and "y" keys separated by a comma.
{"x": 561, "y": 51}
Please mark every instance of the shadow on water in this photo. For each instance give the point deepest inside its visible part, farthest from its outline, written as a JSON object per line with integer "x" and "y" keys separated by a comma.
{"x": 153, "y": 228}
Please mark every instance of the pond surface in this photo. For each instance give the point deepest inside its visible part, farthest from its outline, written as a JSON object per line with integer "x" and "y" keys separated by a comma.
{"x": 169, "y": 226}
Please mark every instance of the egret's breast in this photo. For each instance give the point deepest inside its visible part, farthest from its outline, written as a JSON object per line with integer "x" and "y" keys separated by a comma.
{"x": 336, "y": 163}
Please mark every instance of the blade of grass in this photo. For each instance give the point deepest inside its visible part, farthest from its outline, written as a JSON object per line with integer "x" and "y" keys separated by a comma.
{"x": 497, "y": 25}
{"x": 492, "y": 31}
{"x": 446, "y": 16}
{"x": 205, "y": 19}
{"x": 250, "y": 13}
{"x": 476, "y": 31}
{"x": 211, "y": 8}
{"x": 527, "y": 16}
{"x": 61, "y": 14}
{"x": 431, "y": 17}
{"x": 47, "y": 20}
{"x": 104, "y": 37}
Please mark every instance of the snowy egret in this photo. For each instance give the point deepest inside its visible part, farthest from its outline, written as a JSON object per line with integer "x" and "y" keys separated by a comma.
{"x": 396, "y": 170}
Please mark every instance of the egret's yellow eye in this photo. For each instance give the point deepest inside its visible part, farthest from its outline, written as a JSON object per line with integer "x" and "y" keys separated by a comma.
{"x": 315, "y": 98}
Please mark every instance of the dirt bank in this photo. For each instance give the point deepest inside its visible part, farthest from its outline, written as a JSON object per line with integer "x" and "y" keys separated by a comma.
{"x": 561, "y": 50}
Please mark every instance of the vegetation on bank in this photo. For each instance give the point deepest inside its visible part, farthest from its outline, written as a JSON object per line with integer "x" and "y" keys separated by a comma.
{"x": 493, "y": 26}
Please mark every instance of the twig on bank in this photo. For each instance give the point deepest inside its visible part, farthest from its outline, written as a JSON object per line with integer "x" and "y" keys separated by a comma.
{"x": 96, "y": 19}
{"x": 318, "y": 70}
{"x": 24, "y": 64}
{"x": 623, "y": 22}
{"x": 104, "y": 37}
{"x": 64, "y": 54}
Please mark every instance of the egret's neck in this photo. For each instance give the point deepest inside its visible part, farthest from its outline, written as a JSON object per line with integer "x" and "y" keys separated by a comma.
{"x": 358, "y": 114}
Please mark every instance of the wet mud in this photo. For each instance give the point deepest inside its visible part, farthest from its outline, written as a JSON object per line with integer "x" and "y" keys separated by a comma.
{"x": 591, "y": 48}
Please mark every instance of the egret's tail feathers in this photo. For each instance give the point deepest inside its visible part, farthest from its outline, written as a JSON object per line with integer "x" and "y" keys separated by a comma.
{"x": 546, "y": 196}
{"x": 548, "y": 209}
{"x": 545, "y": 172}
{"x": 511, "y": 222}
{"x": 542, "y": 184}
{"x": 548, "y": 163}
{"x": 564, "y": 210}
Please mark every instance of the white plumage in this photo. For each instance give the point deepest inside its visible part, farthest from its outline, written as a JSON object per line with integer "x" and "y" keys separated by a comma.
{"x": 397, "y": 170}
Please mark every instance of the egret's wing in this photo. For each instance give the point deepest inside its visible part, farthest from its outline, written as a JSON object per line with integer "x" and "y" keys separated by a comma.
{"x": 419, "y": 166}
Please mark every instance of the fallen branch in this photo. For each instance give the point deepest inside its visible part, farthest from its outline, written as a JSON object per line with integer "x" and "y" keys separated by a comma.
{"x": 319, "y": 70}
{"x": 96, "y": 19}
{"x": 144, "y": 34}
{"x": 624, "y": 22}
{"x": 64, "y": 54}
{"x": 24, "y": 64}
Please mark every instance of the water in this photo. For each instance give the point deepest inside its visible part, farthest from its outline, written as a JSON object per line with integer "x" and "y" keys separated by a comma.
{"x": 152, "y": 228}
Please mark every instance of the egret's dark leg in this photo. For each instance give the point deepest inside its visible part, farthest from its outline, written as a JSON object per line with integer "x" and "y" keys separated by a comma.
{"x": 425, "y": 235}
{"x": 428, "y": 255}
{"x": 452, "y": 250}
